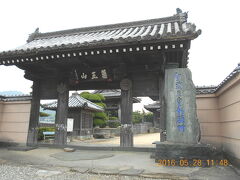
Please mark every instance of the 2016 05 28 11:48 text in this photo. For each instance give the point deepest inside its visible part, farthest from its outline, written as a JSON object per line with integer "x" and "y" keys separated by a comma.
{"x": 193, "y": 163}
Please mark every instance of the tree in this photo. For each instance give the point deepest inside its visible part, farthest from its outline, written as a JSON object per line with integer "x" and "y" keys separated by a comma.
{"x": 148, "y": 117}
{"x": 99, "y": 118}
{"x": 138, "y": 117}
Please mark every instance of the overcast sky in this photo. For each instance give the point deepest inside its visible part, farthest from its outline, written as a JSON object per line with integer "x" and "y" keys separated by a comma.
{"x": 213, "y": 55}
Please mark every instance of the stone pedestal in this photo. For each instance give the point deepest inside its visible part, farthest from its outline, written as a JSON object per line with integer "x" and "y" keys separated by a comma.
{"x": 191, "y": 154}
{"x": 182, "y": 125}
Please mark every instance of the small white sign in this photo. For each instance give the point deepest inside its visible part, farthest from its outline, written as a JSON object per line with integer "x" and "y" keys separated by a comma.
{"x": 70, "y": 124}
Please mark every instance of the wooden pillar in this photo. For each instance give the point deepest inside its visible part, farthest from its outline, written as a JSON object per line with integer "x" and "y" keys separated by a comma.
{"x": 62, "y": 112}
{"x": 76, "y": 123}
{"x": 34, "y": 114}
{"x": 156, "y": 115}
{"x": 126, "y": 132}
{"x": 119, "y": 111}
{"x": 162, "y": 122}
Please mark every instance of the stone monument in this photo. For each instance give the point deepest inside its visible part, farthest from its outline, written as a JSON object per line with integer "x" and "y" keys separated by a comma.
{"x": 182, "y": 126}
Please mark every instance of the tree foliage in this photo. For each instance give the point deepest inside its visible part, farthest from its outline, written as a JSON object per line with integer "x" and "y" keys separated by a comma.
{"x": 138, "y": 117}
{"x": 92, "y": 97}
{"x": 148, "y": 117}
{"x": 99, "y": 118}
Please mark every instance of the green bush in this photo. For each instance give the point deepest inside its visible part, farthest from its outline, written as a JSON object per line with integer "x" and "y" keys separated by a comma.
{"x": 92, "y": 97}
{"x": 113, "y": 124}
{"x": 100, "y": 115}
{"x": 148, "y": 117}
{"x": 113, "y": 118}
{"x": 137, "y": 117}
{"x": 99, "y": 118}
{"x": 112, "y": 113}
{"x": 101, "y": 104}
{"x": 44, "y": 129}
{"x": 99, "y": 122}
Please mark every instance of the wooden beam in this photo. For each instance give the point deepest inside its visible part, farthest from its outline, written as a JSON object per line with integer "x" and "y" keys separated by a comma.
{"x": 34, "y": 115}
{"x": 145, "y": 84}
{"x": 95, "y": 85}
{"x": 62, "y": 114}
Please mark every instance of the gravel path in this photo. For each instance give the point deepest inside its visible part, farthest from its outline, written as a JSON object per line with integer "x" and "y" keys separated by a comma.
{"x": 20, "y": 172}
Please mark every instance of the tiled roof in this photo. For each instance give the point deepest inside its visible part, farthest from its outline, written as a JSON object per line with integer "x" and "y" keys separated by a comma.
{"x": 170, "y": 28}
{"x": 154, "y": 106}
{"x": 15, "y": 98}
{"x": 205, "y": 89}
{"x": 213, "y": 89}
{"x": 111, "y": 93}
{"x": 76, "y": 101}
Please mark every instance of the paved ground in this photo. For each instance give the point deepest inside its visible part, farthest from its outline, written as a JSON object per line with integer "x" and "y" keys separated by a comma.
{"x": 46, "y": 163}
{"x": 140, "y": 140}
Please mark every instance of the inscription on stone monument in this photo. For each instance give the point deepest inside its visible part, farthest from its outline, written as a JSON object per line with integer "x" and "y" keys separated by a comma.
{"x": 180, "y": 109}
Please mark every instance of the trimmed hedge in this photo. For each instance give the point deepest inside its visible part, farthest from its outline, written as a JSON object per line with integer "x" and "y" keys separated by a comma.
{"x": 99, "y": 118}
{"x": 99, "y": 122}
{"x": 113, "y": 118}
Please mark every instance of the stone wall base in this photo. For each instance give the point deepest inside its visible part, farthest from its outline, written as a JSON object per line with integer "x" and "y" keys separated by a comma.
{"x": 187, "y": 155}
{"x": 233, "y": 160}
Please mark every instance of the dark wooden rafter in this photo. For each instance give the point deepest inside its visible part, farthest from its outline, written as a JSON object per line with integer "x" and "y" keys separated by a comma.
{"x": 53, "y": 69}
{"x": 72, "y": 55}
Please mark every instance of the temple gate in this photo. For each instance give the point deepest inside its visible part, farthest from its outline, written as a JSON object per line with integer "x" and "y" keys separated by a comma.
{"x": 143, "y": 58}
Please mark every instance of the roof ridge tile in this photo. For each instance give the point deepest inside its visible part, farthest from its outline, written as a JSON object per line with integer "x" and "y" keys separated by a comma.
{"x": 175, "y": 18}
